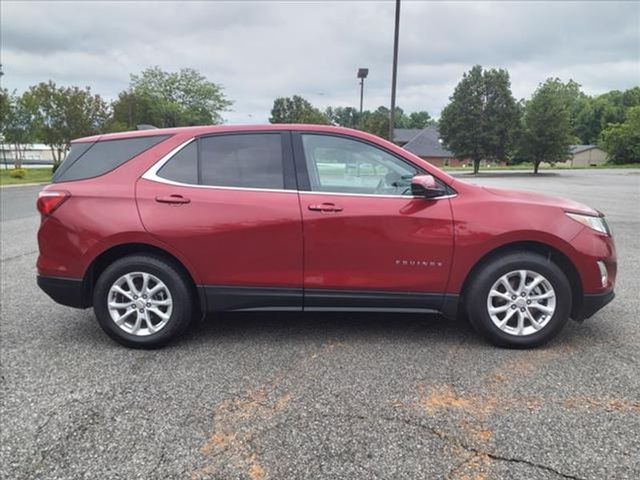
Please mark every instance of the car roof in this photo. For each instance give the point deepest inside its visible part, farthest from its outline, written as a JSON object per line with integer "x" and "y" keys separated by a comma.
{"x": 205, "y": 129}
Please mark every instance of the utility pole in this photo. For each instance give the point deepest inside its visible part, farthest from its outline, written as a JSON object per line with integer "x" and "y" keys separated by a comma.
{"x": 394, "y": 76}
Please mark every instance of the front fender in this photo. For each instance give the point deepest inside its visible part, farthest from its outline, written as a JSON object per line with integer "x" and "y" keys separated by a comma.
{"x": 472, "y": 249}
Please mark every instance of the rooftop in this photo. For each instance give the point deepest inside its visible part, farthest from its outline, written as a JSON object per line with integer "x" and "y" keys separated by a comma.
{"x": 427, "y": 144}
{"x": 581, "y": 148}
{"x": 404, "y": 135}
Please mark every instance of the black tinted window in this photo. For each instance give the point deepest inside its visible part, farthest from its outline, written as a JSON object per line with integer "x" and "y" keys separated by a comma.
{"x": 102, "y": 157}
{"x": 245, "y": 160}
{"x": 183, "y": 166}
{"x": 75, "y": 152}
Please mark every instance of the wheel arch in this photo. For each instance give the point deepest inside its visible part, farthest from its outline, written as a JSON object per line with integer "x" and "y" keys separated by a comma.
{"x": 551, "y": 253}
{"x": 108, "y": 256}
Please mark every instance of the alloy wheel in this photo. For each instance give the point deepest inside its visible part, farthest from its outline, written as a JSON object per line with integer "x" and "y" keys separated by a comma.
{"x": 521, "y": 302}
{"x": 140, "y": 303}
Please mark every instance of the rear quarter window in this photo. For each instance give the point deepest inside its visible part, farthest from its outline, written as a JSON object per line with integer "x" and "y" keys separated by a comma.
{"x": 88, "y": 160}
{"x": 183, "y": 166}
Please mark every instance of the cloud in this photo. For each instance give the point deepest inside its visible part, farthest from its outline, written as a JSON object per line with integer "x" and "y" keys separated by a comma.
{"x": 261, "y": 50}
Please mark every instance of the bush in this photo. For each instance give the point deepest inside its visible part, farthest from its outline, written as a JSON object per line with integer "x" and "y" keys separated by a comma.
{"x": 18, "y": 173}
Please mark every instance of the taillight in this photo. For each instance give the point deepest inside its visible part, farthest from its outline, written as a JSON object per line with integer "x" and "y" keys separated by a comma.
{"x": 50, "y": 200}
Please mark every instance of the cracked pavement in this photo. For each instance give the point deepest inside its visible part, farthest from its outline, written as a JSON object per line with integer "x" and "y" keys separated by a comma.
{"x": 284, "y": 395}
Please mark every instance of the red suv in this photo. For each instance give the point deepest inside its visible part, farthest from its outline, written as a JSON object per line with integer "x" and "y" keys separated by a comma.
{"x": 155, "y": 227}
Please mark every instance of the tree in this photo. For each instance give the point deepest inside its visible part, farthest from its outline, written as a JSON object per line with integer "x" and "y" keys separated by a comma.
{"x": 501, "y": 115}
{"x": 17, "y": 124}
{"x": 60, "y": 114}
{"x": 420, "y": 119}
{"x": 129, "y": 110}
{"x": 377, "y": 122}
{"x": 598, "y": 112}
{"x": 621, "y": 141}
{"x": 296, "y": 110}
{"x": 481, "y": 119}
{"x": 5, "y": 108}
{"x": 169, "y": 99}
{"x": 347, "y": 117}
{"x": 546, "y": 126}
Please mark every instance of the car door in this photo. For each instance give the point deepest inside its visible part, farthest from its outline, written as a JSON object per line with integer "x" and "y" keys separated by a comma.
{"x": 367, "y": 241}
{"x": 228, "y": 203}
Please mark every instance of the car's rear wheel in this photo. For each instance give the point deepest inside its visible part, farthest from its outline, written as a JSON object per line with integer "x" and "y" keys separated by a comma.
{"x": 520, "y": 300}
{"x": 143, "y": 301}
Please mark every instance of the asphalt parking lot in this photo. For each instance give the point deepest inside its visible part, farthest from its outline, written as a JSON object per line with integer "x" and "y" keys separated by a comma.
{"x": 279, "y": 396}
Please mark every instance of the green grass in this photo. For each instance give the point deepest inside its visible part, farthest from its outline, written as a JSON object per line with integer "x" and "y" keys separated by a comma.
{"x": 522, "y": 166}
{"x": 624, "y": 165}
{"x": 34, "y": 175}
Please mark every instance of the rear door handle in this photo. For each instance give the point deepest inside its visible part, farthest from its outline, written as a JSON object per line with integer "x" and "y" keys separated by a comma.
{"x": 325, "y": 207}
{"x": 173, "y": 199}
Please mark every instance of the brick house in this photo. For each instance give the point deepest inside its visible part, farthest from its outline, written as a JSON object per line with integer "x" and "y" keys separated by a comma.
{"x": 426, "y": 144}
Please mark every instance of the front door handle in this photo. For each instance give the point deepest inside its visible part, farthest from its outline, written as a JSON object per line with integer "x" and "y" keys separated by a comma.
{"x": 325, "y": 207}
{"x": 172, "y": 199}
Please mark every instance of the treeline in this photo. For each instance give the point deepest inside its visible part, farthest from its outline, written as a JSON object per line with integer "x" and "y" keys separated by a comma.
{"x": 482, "y": 121}
{"x": 296, "y": 109}
{"x": 55, "y": 115}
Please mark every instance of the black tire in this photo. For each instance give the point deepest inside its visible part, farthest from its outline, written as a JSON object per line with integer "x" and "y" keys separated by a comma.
{"x": 482, "y": 282}
{"x": 178, "y": 284}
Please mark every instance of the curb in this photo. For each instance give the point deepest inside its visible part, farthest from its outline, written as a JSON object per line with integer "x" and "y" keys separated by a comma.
{"x": 15, "y": 185}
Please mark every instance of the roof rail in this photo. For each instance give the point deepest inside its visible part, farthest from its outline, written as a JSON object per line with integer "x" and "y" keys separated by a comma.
{"x": 145, "y": 126}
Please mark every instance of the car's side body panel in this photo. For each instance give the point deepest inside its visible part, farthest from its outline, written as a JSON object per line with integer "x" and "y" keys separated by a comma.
{"x": 485, "y": 222}
{"x": 246, "y": 243}
{"x": 100, "y": 213}
{"x": 233, "y": 237}
{"x": 377, "y": 243}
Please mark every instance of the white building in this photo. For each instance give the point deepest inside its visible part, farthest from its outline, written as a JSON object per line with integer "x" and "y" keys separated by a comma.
{"x": 32, "y": 154}
{"x": 587, "y": 156}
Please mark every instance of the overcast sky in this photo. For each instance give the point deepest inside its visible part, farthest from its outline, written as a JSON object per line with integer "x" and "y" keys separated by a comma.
{"x": 261, "y": 50}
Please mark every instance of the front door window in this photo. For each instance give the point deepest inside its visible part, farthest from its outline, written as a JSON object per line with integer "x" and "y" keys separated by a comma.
{"x": 341, "y": 165}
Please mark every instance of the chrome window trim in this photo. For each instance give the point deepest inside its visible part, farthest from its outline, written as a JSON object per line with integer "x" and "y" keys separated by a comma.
{"x": 152, "y": 175}
{"x": 373, "y": 195}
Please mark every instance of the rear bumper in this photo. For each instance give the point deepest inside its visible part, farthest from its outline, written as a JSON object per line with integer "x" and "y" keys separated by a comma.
{"x": 591, "y": 303}
{"x": 65, "y": 291}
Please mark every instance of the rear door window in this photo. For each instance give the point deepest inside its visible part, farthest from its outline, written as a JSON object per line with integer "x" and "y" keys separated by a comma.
{"x": 102, "y": 157}
{"x": 252, "y": 160}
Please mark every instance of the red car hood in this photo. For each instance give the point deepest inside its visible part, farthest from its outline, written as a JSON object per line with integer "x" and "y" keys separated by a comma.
{"x": 546, "y": 200}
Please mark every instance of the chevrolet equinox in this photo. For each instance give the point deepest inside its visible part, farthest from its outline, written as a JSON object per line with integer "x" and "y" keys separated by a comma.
{"x": 152, "y": 228}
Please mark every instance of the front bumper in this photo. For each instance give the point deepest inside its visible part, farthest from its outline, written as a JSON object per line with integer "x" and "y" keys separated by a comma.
{"x": 65, "y": 291}
{"x": 591, "y": 303}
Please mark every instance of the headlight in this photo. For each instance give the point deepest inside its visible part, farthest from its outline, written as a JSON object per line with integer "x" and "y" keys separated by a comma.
{"x": 598, "y": 224}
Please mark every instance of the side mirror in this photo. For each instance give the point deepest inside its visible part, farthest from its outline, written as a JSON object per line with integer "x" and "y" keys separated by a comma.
{"x": 426, "y": 186}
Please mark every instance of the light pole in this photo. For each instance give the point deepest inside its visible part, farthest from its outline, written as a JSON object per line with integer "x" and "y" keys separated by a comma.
{"x": 362, "y": 74}
{"x": 394, "y": 75}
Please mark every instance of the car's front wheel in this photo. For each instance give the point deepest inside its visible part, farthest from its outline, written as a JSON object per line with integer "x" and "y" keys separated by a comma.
{"x": 520, "y": 300}
{"x": 142, "y": 301}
